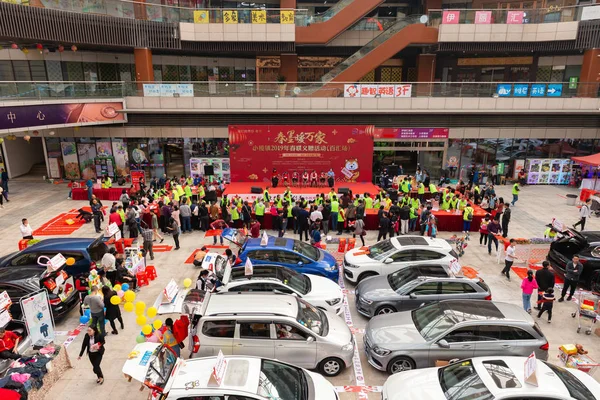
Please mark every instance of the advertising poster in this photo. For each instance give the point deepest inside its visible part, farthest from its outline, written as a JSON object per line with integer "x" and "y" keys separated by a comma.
{"x": 119, "y": 148}
{"x": 103, "y": 149}
{"x": 219, "y": 166}
{"x": 87, "y": 153}
{"x": 534, "y": 172}
{"x": 565, "y": 172}
{"x": 257, "y": 150}
{"x": 549, "y": 172}
{"x": 38, "y": 317}
{"x": 70, "y": 161}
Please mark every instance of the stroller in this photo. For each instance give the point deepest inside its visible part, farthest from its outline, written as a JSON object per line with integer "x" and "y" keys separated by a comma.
{"x": 84, "y": 215}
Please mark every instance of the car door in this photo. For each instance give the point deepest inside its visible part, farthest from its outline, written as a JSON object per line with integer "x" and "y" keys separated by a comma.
{"x": 460, "y": 344}
{"x": 424, "y": 293}
{"x": 254, "y": 338}
{"x": 491, "y": 342}
{"x": 262, "y": 256}
{"x": 216, "y": 335}
{"x": 424, "y": 256}
{"x": 522, "y": 343}
{"x": 292, "y": 260}
{"x": 456, "y": 290}
{"x": 294, "y": 345}
{"x": 400, "y": 259}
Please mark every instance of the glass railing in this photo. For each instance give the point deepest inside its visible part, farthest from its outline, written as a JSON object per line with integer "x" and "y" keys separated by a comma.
{"x": 306, "y": 20}
{"x": 374, "y": 24}
{"x": 506, "y": 16}
{"x": 71, "y": 90}
{"x": 150, "y": 11}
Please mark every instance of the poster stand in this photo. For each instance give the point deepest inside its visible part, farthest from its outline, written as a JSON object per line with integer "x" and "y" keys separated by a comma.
{"x": 134, "y": 261}
{"x": 38, "y": 317}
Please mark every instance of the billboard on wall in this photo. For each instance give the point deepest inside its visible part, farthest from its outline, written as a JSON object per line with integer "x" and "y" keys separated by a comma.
{"x": 255, "y": 150}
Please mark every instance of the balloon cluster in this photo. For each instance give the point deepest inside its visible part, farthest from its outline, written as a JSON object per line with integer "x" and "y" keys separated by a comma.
{"x": 150, "y": 332}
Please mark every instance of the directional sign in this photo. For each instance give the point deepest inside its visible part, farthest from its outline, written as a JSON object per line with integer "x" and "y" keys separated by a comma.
{"x": 504, "y": 90}
{"x": 520, "y": 90}
{"x": 555, "y": 90}
{"x": 538, "y": 90}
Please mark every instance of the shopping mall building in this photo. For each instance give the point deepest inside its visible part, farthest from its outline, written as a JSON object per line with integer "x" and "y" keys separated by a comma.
{"x": 106, "y": 86}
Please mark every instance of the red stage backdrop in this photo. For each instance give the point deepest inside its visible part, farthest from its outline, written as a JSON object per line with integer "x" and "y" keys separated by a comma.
{"x": 256, "y": 149}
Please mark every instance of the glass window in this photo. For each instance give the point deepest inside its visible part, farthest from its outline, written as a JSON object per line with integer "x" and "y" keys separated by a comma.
{"x": 433, "y": 320}
{"x": 263, "y": 255}
{"x": 456, "y": 288}
{"x": 219, "y": 329}
{"x": 514, "y": 333}
{"x": 501, "y": 374}
{"x": 281, "y": 381}
{"x": 251, "y": 287}
{"x": 461, "y": 381}
{"x": 381, "y": 250}
{"x": 161, "y": 365}
{"x": 312, "y": 318}
{"x": 466, "y": 334}
{"x": 432, "y": 270}
{"x": 170, "y": 73}
{"x": 403, "y": 256}
{"x": 26, "y": 259}
{"x": 426, "y": 288}
{"x": 422, "y": 255}
{"x": 255, "y": 330}
{"x": 490, "y": 333}
{"x": 306, "y": 250}
{"x": 401, "y": 277}
{"x": 576, "y": 389}
{"x": 452, "y": 162}
{"x": 289, "y": 332}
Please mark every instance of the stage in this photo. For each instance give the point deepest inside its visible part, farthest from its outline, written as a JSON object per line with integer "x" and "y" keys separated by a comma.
{"x": 243, "y": 189}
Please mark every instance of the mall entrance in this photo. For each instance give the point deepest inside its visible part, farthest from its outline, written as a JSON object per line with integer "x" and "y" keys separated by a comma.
{"x": 429, "y": 154}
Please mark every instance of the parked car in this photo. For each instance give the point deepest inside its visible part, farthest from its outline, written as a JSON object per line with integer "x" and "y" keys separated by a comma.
{"x": 86, "y": 252}
{"x": 316, "y": 290}
{"x": 489, "y": 378}
{"x": 291, "y": 253}
{"x": 451, "y": 329}
{"x": 269, "y": 325}
{"x": 585, "y": 245}
{"x": 392, "y": 254}
{"x": 243, "y": 377}
{"x": 21, "y": 281}
{"x": 403, "y": 291}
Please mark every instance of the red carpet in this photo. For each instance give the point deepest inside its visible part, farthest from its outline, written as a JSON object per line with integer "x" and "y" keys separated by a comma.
{"x": 243, "y": 189}
{"x": 59, "y": 226}
{"x": 161, "y": 248}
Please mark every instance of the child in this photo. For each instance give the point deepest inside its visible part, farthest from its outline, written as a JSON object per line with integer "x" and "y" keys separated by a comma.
{"x": 433, "y": 227}
{"x": 547, "y": 303}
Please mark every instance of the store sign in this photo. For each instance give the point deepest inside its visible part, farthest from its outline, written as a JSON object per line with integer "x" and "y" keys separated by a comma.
{"x": 555, "y": 90}
{"x": 286, "y": 17}
{"x": 538, "y": 90}
{"x": 201, "y": 17}
{"x": 168, "y": 90}
{"x": 259, "y": 16}
{"x": 515, "y": 17}
{"x": 230, "y": 17}
{"x": 504, "y": 90}
{"x": 573, "y": 82}
{"x": 411, "y": 133}
{"x": 548, "y": 171}
{"x": 520, "y": 90}
{"x": 590, "y": 13}
{"x": 450, "y": 17}
{"x": 483, "y": 17}
{"x": 384, "y": 90}
{"x": 524, "y": 90}
{"x": 38, "y": 317}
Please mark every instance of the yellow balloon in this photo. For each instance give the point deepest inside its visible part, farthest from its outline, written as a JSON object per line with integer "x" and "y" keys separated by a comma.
{"x": 128, "y": 306}
{"x": 70, "y": 261}
{"x": 151, "y": 312}
{"x": 115, "y": 300}
{"x": 146, "y": 329}
{"x": 187, "y": 282}
{"x": 140, "y": 307}
{"x": 117, "y": 287}
{"x": 141, "y": 320}
{"x": 129, "y": 296}
{"x": 157, "y": 324}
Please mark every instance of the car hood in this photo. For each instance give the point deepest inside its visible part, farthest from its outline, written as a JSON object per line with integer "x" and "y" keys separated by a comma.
{"x": 339, "y": 332}
{"x": 396, "y": 328}
{"x": 322, "y": 388}
{"x": 323, "y": 288}
{"x": 357, "y": 257}
{"x": 327, "y": 258}
{"x": 415, "y": 384}
{"x": 591, "y": 253}
{"x": 375, "y": 288}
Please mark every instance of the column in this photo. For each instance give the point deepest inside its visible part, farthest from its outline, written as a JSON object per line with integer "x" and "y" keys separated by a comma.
{"x": 425, "y": 73}
{"x": 144, "y": 72}
{"x": 289, "y": 67}
{"x": 291, "y": 4}
{"x": 589, "y": 79}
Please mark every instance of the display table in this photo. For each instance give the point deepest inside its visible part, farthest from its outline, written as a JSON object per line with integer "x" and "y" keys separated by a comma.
{"x": 112, "y": 194}
{"x": 586, "y": 194}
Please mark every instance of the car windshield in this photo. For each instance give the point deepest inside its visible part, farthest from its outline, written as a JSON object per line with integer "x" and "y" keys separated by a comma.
{"x": 461, "y": 381}
{"x": 298, "y": 282}
{"x": 312, "y": 318}
{"x": 306, "y": 250}
{"x": 433, "y": 320}
{"x": 161, "y": 363}
{"x": 576, "y": 388}
{"x": 381, "y": 250}
{"x": 282, "y": 382}
{"x": 401, "y": 277}
{"x": 97, "y": 250}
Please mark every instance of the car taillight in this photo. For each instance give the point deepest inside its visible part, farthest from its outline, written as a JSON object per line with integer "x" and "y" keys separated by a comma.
{"x": 50, "y": 284}
{"x": 55, "y": 301}
{"x": 545, "y": 346}
{"x": 196, "y": 344}
{"x": 488, "y": 297}
{"x": 582, "y": 260}
{"x": 93, "y": 265}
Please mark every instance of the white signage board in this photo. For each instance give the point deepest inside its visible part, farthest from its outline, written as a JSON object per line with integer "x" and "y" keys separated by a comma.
{"x": 38, "y": 317}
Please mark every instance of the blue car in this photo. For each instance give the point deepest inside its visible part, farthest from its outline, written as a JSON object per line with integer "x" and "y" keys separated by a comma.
{"x": 291, "y": 253}
{"x": 85, "y": 251}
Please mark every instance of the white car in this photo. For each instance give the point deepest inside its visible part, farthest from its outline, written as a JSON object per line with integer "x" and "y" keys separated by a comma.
{"x": 240, "y": 377}
{"x": 390, "y": 255}
{"x": 319, "y": 291}
{"x": 489, "y": 378}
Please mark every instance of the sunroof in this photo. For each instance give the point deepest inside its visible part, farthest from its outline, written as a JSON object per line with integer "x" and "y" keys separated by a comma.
{"x": 412, "y": 241}
{"x": 280, "y": 242}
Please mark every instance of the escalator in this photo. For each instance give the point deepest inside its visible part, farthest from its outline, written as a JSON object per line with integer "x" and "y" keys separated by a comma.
{"x": 321, "y": 29}
{"x": 405, "y": 32}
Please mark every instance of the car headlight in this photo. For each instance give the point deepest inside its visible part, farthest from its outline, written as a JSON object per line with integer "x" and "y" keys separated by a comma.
{"x": 331, "y": 268}
{"x": 348, "y": 347}
{"x": 348, "y": 265}
{"x": 333, "y": 302}
{"x": 380, "y": 351}
{"x": 366, "y": 301}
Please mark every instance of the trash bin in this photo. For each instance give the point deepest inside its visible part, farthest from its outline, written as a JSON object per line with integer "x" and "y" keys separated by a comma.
{"x": 571, "y": 199}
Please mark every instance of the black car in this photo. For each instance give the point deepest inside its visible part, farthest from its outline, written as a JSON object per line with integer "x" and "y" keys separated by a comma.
{"x": 21, "y": 281}
{"x": 585, "y": 245}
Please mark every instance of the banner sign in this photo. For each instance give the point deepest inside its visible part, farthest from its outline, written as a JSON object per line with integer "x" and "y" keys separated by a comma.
{"x": 515, "y": 17}
{"x": 384, "y": 90}
{"x": 524, "y": 90}
{"x": 548, "y": 171}
{"x": 168, "y": 89}
{"x": 286, "y": 17}
{"x": 411, "y": 133}
{"x": 483, "y": 17}
{"x": 589, "y": 13}
{"x": 259, "y": 151}
{"x": 14, "y": 117}
{"x": 259, "y": 16}
{"x": 450, "y": 17}
{"x": 38, "y": 317}
{"x": 201, "y": 17}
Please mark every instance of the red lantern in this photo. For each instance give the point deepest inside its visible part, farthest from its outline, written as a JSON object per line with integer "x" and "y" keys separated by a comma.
{"x": 61, "y": 48}
{"x": 74, "y": 48}
{"x": 39, "y": 46}
{"x": 237, "y": 137}
{"x": 14, "y": 46}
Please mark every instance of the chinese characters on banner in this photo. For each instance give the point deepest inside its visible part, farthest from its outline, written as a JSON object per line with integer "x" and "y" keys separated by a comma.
{"x": 385, "y": 90}
{"x": 450, "y": 17}
{"x": 230, "y": 17}
{"x": 483, "y": 17}
{"x": 201, "y": 17}
{"x": 515, "y": 17}
{"x": 523, "y": 90}
{"x": 286, "y": 17}
{"x": 255, "y": 150}
{"x": 259, "y": 16}
{"x": 411, "y": 133}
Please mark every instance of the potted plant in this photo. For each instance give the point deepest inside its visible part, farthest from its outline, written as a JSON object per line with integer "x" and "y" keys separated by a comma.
{"x": 282, "y": 85}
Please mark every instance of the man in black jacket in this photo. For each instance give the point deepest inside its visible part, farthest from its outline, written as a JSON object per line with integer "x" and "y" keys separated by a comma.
{"x": 384, "y": 226}
{"x": 303, "y": 223}
{"x": 545, "y": 280}
{"x": 505, "y": 219}
{"x": 360, "y": 210}
{"x": 326, "y": 211}
{"x": 295, "y": 211}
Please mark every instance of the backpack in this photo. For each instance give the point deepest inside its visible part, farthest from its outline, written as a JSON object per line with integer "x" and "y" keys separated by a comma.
{"x": 470, "y": 216}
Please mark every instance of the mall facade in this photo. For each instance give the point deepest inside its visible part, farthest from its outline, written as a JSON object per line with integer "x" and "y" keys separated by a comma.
{"x": 107, "y": 86}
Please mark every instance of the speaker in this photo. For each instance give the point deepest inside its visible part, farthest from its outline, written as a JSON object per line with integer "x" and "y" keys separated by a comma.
{"x": 256, "y": 189}
{"x": 209, "y": 170}
{"x": 343, "y": 190}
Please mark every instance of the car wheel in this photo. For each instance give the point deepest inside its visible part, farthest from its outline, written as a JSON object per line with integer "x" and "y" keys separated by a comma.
{"x": 331, "y": 366}
{"x": 385, "y": 310}
{"x": 365, "y": 276}
{"x": 400, "y": 364}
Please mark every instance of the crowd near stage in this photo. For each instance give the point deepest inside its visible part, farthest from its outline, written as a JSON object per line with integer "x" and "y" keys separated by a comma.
{"x": 244, "y": 190}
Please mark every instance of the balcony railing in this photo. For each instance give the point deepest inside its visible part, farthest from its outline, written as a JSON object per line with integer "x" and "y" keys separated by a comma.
{"x": 506, "y": 16}
{"x": 81, "y": 90}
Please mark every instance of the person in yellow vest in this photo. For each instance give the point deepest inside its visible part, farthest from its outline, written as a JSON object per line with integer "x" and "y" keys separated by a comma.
{"x": 368, "y": 201}
{"x": 335, "y": 207}
{"x": 166, "y": 199}
{"x": 176, "y": 197}
{"x": 278, "y": 202}
{"x": 421, "y": 191}
{"x": 515, "y": 193}
{"x": 235, "y": 216}
{"x": 201, "y": 192}
{"x": 387, "y": 202}
{"x": 467, "y": 218}
{"x": 266, "y": 197}
{"x": 189, "y": 181}
{"x": 341, "y": 217}
{"x": 550, "y": 233}
{"x": 331, "y": 194}
{"x": 414, "y": 203}
{"x": 454, "y": 203}
{"x": 445, "y": 203}
{"x": 259, "y": 210}
{"x": 414, "y": 215}
{"x": 179, "y": 189}
{"x": 405, "y": 186}
{"x": 462, "y": 204}
{"x": 188, "y": 191}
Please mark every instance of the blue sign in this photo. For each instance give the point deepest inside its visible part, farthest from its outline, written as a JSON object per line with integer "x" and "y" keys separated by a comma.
{"x": 504, "y": 90}
{"x": 145, "y": 358}
{"x": 520, "y": 90}
{"x": 538, "y": 90}
{"x": 555, "y": 90}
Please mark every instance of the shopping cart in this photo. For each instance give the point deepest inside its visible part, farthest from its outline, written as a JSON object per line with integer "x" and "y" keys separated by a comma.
{"x": 587, "y": 308}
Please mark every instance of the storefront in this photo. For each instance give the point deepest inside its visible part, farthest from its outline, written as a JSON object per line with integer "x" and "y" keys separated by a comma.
{"x": 487, "y": 69}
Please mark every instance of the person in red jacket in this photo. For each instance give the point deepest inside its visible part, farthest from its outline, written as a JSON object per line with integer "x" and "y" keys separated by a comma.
{"x": 218, "y": 224}
{"x": 9, "y": 341}
{"x": 255, "y": 229}
{"x": 116, "y": 218}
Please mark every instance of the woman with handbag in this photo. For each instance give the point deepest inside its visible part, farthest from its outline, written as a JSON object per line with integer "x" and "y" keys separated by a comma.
{"x": 359, "y": 229}
{"x": 93, "y": 343}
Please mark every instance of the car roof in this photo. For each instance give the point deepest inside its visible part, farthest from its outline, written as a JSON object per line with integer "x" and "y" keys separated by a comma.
{"x": 273, "y": 243}
{"x": 62, "y": 244}
{"x": 484, "y": 310}
{"x": 241, "y": 374}
{"x": 464, "y": 279}
{"x": 260, "y": 271}
{"x": 256, "y": 303}
{"x": 420, "y": 241}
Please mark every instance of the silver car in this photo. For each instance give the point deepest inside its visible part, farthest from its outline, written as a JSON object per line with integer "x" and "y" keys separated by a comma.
{"x": 451, "y": 329}
{"x": 403, "y": 290}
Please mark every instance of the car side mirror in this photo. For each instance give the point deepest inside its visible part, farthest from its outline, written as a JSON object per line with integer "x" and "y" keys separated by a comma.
{"x": 412, "y": 296}
{"x": 300, "y": 263}
{"x": 310, "y": 339}
{"x": 388, "y": 261}
{"x": 443, "y": 344}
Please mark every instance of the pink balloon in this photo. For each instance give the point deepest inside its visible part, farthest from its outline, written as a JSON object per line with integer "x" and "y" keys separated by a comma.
{"x": 152, "y": 339}
{"x": 120, "y": 293}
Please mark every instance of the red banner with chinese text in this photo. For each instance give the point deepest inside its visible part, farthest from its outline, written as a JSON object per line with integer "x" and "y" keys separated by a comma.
{"x": 257, "y": 150}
